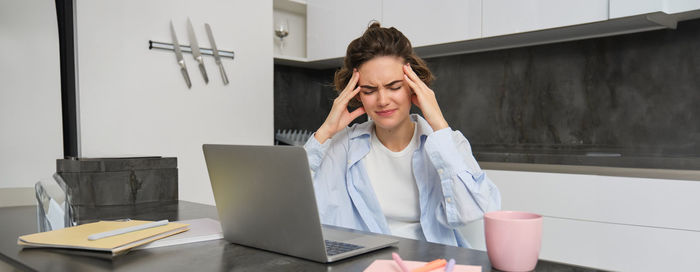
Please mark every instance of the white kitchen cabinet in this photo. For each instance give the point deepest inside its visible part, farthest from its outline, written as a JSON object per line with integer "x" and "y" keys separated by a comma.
{"x": 624, "y": 8}
{"x": 450, "y": 27}
{"x": 427, "y": 22}
{"x": 613, "y": 223}
{"x": 291, "y": 14}
{"x": 502, "y": 17}
{"x": 677, "y": 6}
{"x": 616, "y": 200}
{"x": 333, "y": 24}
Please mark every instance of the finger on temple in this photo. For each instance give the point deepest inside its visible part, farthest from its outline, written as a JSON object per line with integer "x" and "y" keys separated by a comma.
{"x": 410, "y": 82}
{"x": 412, "y": 74}
{"x": 353, "y": 81}
{"x": 354, "y": 92}
{"x": 347, "y": 96}
{"x": 347, "y": 89}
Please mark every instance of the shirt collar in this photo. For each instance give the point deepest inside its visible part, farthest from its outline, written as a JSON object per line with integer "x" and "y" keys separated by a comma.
{"x": 424, "y": 129}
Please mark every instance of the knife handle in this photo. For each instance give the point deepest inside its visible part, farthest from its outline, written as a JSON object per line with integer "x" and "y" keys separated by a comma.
{"x": 223, "y": 73}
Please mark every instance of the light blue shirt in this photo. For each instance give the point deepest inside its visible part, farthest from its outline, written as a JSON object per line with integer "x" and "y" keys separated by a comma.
{"x": 452, "y": 188}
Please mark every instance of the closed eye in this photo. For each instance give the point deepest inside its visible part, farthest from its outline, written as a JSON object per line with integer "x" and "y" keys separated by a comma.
{"x": 394, "y": 85}
{"x": 368, "y": 91}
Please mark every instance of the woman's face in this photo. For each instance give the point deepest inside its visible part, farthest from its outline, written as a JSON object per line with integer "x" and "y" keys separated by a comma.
{"x": 384, "y": 94}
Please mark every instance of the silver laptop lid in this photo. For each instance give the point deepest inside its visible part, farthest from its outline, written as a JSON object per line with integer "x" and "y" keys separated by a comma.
{"x": 265, "y": 198}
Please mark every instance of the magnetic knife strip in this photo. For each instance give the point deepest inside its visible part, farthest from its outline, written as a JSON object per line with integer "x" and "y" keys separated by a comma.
{"x": 186, "y": 48}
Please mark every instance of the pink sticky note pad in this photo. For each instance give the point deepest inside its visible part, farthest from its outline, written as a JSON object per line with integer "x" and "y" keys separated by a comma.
{"x": 391, "y": 266}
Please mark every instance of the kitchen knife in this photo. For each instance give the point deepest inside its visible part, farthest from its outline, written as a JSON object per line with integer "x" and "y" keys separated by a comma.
{"x": 178, "y": 56}
{"x": 217, "y": 58}
{"x": 195, "y": 50}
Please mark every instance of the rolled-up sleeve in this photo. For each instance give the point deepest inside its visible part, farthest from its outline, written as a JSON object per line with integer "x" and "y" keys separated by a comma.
{"x": 467, "y": 191}
{"x": 315, "y": 152}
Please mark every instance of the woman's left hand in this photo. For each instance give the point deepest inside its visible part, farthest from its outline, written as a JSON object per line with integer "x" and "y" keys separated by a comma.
{"x": 424, "y": 98}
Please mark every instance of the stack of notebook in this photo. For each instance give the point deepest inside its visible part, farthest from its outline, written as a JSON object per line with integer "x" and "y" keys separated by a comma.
{"x": 77, "y": 237}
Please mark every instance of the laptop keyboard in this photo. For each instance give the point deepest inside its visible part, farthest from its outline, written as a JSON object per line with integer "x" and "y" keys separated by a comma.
{"x": 335, "y": 247}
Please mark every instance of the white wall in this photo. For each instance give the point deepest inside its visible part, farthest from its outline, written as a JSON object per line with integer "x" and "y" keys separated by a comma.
{"x": 134, "y": 100}
{"x": 30, "y": 93}
{"x": 614, "y": 223}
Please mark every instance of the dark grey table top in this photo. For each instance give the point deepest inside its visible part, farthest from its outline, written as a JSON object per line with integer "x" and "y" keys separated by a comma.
{"x": 211, "y": 255}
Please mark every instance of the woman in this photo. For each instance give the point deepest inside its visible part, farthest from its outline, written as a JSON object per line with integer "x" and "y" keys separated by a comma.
{"x": 399, "y": 173}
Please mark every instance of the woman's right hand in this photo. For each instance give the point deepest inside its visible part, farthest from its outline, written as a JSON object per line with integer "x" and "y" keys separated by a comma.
{"x": 340, "y": 117}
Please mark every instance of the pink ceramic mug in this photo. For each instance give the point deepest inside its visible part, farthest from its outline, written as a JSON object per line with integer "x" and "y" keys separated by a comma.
{"x": 513, "y": 239}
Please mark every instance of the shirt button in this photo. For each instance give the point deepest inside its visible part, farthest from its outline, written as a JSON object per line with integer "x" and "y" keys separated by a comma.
{"x": 348, "y": 161}
{"x": 440, "y": 171}
{"x": 449, "y": 200}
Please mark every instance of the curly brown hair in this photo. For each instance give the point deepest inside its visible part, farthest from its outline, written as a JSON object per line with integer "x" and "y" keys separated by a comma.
{"x": 379, "y": 41}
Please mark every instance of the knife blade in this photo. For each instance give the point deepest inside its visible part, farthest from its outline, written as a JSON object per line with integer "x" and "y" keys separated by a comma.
{"x": 178, "y": 56}
{"x": 195, "y": 50}
{"x": 217, "y": 58}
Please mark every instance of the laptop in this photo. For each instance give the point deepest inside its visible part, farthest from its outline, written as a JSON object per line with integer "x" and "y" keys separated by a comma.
{"x": 265, "y": 199}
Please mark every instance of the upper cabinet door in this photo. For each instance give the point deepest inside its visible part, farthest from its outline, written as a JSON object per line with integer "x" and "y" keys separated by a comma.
{"x": 333, "y": 24}
{"x": 502, "y": 17}
{"x": 624, "y": 8}
{"x": 427, "y": 22}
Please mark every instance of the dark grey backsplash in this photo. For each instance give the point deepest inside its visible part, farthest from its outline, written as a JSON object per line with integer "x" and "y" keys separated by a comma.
{"x": 303, "y": 97}
{"x": 633, "y": 97}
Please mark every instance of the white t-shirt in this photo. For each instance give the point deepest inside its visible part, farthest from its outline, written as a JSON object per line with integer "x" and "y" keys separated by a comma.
{"x": 391, "y": 175}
